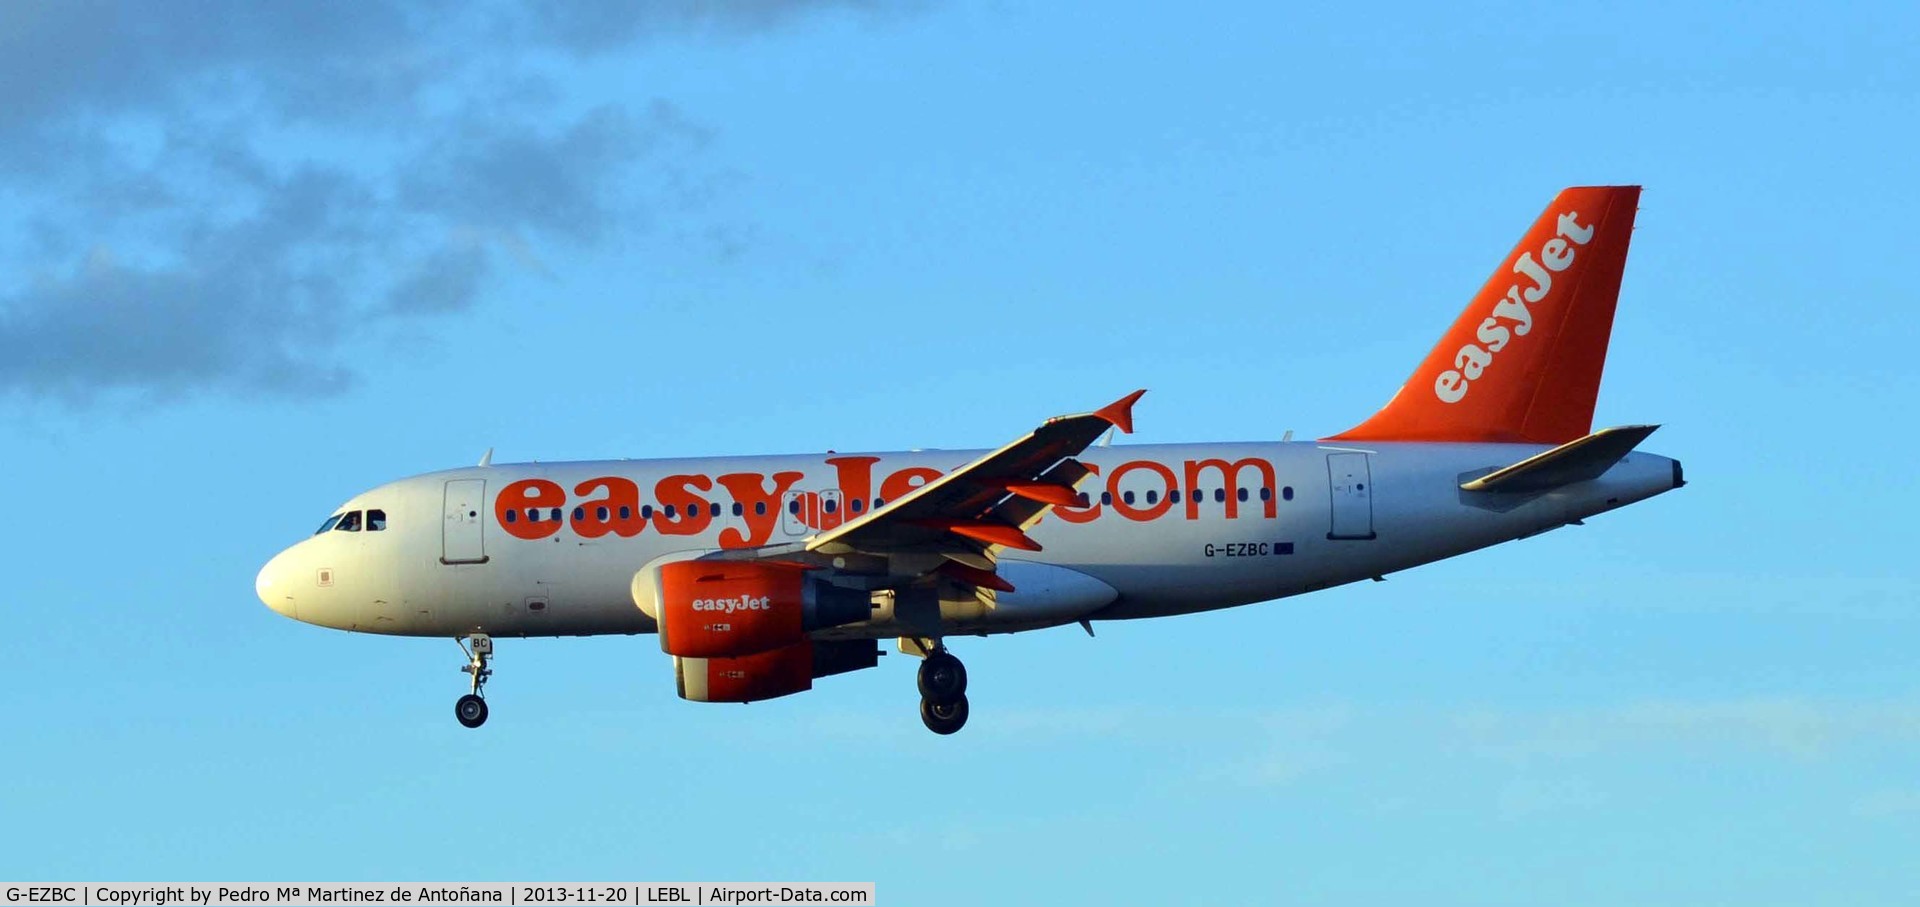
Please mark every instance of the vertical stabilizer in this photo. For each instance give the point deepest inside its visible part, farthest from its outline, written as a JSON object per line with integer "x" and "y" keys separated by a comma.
{"x": 1523, "y": 362}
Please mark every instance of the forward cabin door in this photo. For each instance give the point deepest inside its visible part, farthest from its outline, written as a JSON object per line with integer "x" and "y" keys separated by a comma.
{"x": 1351, "y": 484}
{"x": 460, "y": 527}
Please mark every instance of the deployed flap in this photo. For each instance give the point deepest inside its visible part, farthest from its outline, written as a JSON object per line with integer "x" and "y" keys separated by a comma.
{"x": 1575, "y": 461}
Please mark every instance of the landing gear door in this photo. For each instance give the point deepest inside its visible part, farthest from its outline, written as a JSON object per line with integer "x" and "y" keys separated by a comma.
{"x": 1350, "y": 482}
{"x": 461, "y": 540}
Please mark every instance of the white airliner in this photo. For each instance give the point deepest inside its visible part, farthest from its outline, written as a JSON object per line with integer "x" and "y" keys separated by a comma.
{"x": 761, "y": 574}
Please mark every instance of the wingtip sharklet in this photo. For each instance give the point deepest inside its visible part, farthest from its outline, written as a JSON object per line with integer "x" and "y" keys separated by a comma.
{"x": 1119, "y": 413}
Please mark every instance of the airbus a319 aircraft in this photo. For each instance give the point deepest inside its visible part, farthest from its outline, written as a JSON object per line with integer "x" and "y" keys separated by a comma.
{"x": 762, "y": 574}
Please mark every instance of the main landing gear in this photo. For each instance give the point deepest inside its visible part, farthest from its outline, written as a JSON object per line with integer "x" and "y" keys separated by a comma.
{"x": 943, "y": 691}
{"x": 471, "y": 709}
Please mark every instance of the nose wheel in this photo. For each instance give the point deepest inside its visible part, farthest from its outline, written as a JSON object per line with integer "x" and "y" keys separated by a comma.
{"x": 943, "y": 692}
{"x": 471, "y": 710}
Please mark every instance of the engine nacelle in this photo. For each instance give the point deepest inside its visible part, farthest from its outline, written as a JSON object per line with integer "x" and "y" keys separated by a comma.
{"x": 730, "y": 609}
{"x": 767, "y": 675}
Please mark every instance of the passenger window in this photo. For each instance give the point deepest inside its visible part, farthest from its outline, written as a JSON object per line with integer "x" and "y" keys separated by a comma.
{"x": 1106, "y": 497}
{"x": 1173, "y": 497}
{"x": 830, "y": 506}
{"x": 646, "y": 511}
{"x": 793, "y": 506}
{"x": 713, "y": 509}
{"x": 759, "y": 508}
{"x": 600, "y": 513}
{"x": 737, "y": 509}
{"x": 1126, "y": 496}
{"x": 513, "y": 516}
{"x": 328, "y": 525}
{"x": 1286, "y": 494}
{"x": 533, "y": 516}
{"x": 1266, "y": 494}
{"x": 579, "y": 514}
{"x": 1219, "y": 495}
{"x": 556, "y": 514}
{"x": 879, "y": 503}
{"x": 376, "y": 520}
{"x": 626, "y": 512}
{"x": 670, "y": 513}
{"x": 1153, "y": 497}
{"x": 349, "y": 523}
{"x": 1242, "y": 495}
{"x": 854, "y": 506}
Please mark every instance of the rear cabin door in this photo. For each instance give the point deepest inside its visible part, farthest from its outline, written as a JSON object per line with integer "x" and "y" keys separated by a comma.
{"x": 460, "y": 527}
{"x": 1351, "y": 483}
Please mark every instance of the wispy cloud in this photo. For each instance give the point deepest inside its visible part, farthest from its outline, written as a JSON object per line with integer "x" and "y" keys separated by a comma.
{"x": 221, "y": 197}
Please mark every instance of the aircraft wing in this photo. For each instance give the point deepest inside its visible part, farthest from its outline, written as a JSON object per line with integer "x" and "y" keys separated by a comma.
{"x": 972, "y": 512}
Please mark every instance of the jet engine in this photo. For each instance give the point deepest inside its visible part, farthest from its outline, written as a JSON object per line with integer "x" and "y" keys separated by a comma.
{"x": 730, "y": 609}
{"x": 767, "y": 675}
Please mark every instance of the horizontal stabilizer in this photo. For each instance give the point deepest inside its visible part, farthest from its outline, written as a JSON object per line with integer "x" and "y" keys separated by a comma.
{"x": 1575, "y": 461}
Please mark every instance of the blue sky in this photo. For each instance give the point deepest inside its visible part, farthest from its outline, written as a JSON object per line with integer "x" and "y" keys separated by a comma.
{"x": 256, "y": 258}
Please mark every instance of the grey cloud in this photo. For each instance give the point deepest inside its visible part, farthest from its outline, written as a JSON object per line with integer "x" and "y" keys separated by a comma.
{"x": 598, "y": 26}
{"x": 565, "y": 184}
{"x": 446, "y": 281}
{"x": 222, "y": 196}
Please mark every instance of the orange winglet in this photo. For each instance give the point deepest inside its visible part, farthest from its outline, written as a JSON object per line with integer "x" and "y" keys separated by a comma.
{"x": 1044, "y": 492}
{"x": 981, "y": 531}
{"x": 1120, "y": 412}
{"x": 974, "y": 576}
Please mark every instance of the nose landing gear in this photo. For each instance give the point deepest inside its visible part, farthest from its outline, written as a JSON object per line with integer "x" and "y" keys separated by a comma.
{"x": 471, "y": 710}
{"x": 943, "y": 691}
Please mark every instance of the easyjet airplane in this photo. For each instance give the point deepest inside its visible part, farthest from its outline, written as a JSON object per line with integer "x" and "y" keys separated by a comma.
{"x": 763, "y": 574}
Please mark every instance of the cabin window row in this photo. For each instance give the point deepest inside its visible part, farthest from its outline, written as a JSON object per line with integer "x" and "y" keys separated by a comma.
{"x": 604, "y": 513}
{"x": 1199, "y": 494}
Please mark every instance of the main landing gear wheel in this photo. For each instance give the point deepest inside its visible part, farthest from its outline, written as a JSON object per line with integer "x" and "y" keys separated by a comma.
{"x": 943, "y": 691}
{"x": 942, "y": 677}
{"x": 471, "y": 710}
{"x": 944, "y": 717}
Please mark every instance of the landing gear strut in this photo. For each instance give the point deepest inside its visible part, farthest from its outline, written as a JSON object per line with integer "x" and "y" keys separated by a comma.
{"x": 943, "y": 691}
{"x": 471, "y": 709}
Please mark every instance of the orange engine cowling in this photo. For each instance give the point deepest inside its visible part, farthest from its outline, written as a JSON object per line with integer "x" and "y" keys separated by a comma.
{"x": 767, "y": 675}
{"x": 723, "y": 609}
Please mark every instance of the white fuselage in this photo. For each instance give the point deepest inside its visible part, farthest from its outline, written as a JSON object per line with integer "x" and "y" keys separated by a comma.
{"x": 449, "y": 562}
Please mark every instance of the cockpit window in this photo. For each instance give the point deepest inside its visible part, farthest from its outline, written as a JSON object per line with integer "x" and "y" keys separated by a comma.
{"x": 348, "y": 523}
{"x": 329, "y": 523}
{"x": 376, "y": 520}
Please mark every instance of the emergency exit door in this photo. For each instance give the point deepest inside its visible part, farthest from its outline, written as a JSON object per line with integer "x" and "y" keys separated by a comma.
{"x": 460, "y": 527}
{"x": 1351, "y": 484}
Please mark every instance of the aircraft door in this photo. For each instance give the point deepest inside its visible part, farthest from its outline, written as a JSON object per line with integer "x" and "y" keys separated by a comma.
{"x": 832, "y": 509}
{"x": 461, "y": 539}
{"x": 792, "y": 521}
{"x": 1349, "y": 480}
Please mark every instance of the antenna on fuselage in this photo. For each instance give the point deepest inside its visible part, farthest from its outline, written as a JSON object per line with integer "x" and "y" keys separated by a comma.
{"x": 486, "y": 459}
{"x": 1287, "y": 437}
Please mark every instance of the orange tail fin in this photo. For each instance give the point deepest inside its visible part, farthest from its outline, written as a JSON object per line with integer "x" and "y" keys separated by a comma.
{"x": 1523, "y": 361}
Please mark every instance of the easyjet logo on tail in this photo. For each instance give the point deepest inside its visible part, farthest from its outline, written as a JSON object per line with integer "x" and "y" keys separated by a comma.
{"x": 1510, "y": 317}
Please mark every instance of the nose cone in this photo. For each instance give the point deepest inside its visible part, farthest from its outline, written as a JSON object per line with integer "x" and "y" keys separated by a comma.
{"x": 274, "y": 586}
